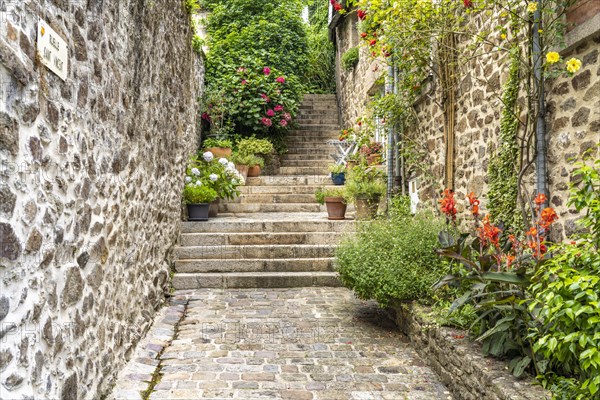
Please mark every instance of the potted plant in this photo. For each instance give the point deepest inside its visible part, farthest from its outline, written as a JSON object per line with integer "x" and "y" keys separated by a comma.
{"x": 244, "y": 161}
{"x": 255, "y": 167}
{"x": 258, "y": 148}
{"x": 218, "y": 147}
{"x": 338, "y": 173}
{"x": 198, "y": 197}
{"x": 366, "y": 185}
{"x": 353, "y": 160}
{"x": 335, "y": 200}
{"x": 372, "y": 152}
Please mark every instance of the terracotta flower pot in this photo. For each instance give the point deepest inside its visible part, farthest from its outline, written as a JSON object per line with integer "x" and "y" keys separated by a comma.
{"x": 198, "y": 212}
{"x": 374, "y": 159}
{"x": 220, "y": 152}
{"x": 336, "y": 208}
{"x": 254, "y": 171}
{"x": 242, "y": 169}
{"x": 213, "y": 210}
{"x": 366, "y": 208}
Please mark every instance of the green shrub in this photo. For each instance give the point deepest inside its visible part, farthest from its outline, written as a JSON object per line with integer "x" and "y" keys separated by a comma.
{"x": 221, "y": 143}
{"x": 350, "y": 58}
{"x": 247, "y": 159}
{"x": 366, "y": 182}
{"x": 321, "y": 53}
{"x": 337, "y": 168}
{"x": 321, "y": 194}
{"x": 255, "y": 146}
{"x": 392, "y": 260}
{"x": 198, "y": 194}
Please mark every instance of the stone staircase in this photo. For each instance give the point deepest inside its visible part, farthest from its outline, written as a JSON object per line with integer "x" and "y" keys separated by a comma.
{"x": 274, "y": 234}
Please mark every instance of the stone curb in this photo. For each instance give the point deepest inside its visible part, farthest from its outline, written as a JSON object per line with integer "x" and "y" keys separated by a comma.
{"x": 139, "y": 372}
{"x": 459, "y": 361}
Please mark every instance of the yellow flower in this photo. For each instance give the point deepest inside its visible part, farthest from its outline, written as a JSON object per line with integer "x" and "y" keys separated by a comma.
{"x": 532, "y": 7}
{"x": 552, "y": 57}
{"x": 503, "y": 36}
{"x": 573, "y": 65}
{"x": 540, "y": 31}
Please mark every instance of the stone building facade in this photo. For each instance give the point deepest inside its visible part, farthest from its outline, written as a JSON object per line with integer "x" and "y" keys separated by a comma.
{"x": 90, "y": 186}
{"x": 573, "y": 114}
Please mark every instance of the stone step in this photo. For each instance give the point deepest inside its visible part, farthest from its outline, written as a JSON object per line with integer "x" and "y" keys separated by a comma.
{"x": 244, "y": 208}
{"x": 276, "y": 224}
{"x": 255, "y": 280}
{"x": 292, "y": 141}
{"x": 258, "y": 238}
{"x": 324, "y": 119}
{"x": 303, "y": 171}
{"x": 289, "y": 180}
{"x": 274, "y": 198}
{"x": 312, "y": 96}
{"x": 308, "y": 163}
{"x": 226, "y": 252}
{"x": 319, "y": 128}
{"x": 325, "y": 264}
{"x": 303, "y": 189}
{"x": 304, "y": 157}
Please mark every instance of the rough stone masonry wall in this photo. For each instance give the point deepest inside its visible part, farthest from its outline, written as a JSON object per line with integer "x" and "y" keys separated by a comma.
{"x": 90, "y": 187}
{"x": 354, "y": 87}
{"x": 573, "y": 121}
{"x": 459, "y": 362}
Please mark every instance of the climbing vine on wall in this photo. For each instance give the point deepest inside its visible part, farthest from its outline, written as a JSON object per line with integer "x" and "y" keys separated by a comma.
{"x": 503, "y": 169}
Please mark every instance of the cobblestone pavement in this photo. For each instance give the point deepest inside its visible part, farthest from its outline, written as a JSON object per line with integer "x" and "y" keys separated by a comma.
{"x": 306, "y": 343}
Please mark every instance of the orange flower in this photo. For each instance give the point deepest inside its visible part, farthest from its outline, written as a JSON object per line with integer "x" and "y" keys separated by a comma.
{"x": 448, "y": 205}
{"x": 532, "y": 231}
{"x": 510, "y": 259}
{"x": 540, "y": 199}
{"x": 548, "y": 217}
{"x": 474, "y": 203}
{"x": 489, "y": 233}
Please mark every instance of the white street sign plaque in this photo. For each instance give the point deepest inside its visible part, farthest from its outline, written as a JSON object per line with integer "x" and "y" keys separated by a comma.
{"x": 52, "y": 50}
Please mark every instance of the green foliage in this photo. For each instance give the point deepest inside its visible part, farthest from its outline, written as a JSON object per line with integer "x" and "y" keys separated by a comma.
{"x": 350, "y": 58}
{"x": 218, "y": 175}
{"x": 247, "y": 159}
{"x": 566, "y": 294}
{"x": 320, "y": 69}
{"x": 191, "y": 6}
{"x": 392, "y": 260}
{"x": 366, "y": 182}
{"x": 255, "y": 146}
{"x": 221, "y": 143}
{"x": 462, "y": 318}
{"x": 399, "y": 207}
{"x": 253, "y": 100}
{"x": 193, "y": 194}
{"x": 269, "y": 32}
{"x": 503, "y": 169}
{"x": 586, "y": 196}
{"x": 321, "y": 194}
{"x": 337, "y": 168}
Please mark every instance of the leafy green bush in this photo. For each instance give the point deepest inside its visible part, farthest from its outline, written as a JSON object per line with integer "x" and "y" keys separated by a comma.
{"x": 320, "y": 68}
{"x": 255, "y": 146}
{"x": 268, "y": 32}
{"x": 198, "y": 194}
{"x": 247, "y": 159}
{"x": 392, "y": 260}
{"x": 566, "y": 292}
{"x": 221, "y": 143}
{"x": 321, "y": 194}
{"x": 350, "y": 58}
{"x": 366, "y": 182}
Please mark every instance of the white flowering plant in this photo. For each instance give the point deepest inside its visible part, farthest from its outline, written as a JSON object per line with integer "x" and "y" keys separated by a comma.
{"x": 219, "y": 175}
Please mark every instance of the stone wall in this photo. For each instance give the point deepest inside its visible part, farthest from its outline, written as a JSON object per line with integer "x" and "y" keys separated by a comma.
{"x": 458, "y": 362}
{"x": 573, "y": 118}
{"x": 354, "y": 87}
{"x": 90, "y": 186}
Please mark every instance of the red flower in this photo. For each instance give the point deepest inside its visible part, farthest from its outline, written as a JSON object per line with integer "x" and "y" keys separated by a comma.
{"x": 548, "y": 217}
{"x": 468, "y": 3}
{"x": 287, "y": 116}
{"x": 280, "y": 79}
{"x": 266, "y": 122}
{"x": 283, "y": 122}
{"x": 363, "y": 35}
{"x": 337, "y": 6}
{"x": 244, "y": 82}
{"x": 266, "y": 70}
{"x": 279, "y": 108}
{"x": 205, "y": 116}
{"x": 448, "y": 205}
{"x": 265, "y": 97}
{"x": 270, "y": 113}
{"x": 361, "y": 14}
{"x": 373, "y": 42}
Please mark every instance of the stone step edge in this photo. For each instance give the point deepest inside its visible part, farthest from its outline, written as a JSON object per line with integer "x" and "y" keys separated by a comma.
{"x": 254, "y": 280}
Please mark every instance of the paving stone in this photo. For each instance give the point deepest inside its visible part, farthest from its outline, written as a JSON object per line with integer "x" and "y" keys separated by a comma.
{"x": 315, "y": 343}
